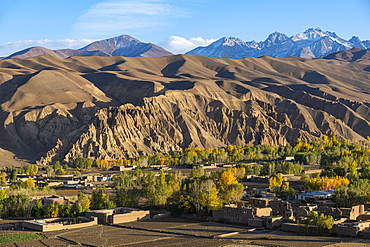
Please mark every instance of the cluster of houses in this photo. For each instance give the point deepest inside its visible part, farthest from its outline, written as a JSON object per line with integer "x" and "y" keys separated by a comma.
{"x": 265, "y": 212}
{"x": 274, "y": 213}
{"x": 67, "y": 181}
{"x": 104, "y": 216}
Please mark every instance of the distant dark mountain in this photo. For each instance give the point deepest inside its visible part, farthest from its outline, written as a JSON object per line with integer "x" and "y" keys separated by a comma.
{"x": 353, "y": 55}
{"x": 123, "y": 45}
{"x": 313, "y": 43}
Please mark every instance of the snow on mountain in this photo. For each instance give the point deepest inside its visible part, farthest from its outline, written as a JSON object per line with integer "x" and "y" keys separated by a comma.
{"x": 127, "y": 46}
{"x": 312, "y": 43}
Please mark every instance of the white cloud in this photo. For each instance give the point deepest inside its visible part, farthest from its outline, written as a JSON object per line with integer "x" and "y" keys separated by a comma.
{"x": 11, "y": 47}
{"x": 180, "y": 45}
{"x": 109, "y": 18}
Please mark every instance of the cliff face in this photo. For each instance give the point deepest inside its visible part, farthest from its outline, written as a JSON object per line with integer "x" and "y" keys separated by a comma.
{"x": 54, "y": 109}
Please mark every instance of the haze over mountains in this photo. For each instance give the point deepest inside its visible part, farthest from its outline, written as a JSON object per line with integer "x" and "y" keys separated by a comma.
{"x": 113, "y": 107}
{"x": 313, "y": 43}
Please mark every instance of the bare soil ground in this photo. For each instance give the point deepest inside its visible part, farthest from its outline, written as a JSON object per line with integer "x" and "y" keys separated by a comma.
{"x": 183, "y": 232}
{"x": 285, "y": 239}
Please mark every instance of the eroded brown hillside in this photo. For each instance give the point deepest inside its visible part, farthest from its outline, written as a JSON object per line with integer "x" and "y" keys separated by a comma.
{"x": 110, "y": 107}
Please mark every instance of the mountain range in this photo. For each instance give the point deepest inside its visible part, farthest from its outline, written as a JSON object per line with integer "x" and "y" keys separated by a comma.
{"x": 313, "y": 43}
{"x": 123, "y": 45}
{"x": 113, "y": 107}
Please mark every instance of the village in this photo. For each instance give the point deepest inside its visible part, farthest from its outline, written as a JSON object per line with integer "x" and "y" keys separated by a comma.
{"x": 258, "y": 210}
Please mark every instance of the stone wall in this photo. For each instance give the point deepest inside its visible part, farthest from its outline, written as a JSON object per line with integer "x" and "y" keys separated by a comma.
{"x": 233, "y": 215}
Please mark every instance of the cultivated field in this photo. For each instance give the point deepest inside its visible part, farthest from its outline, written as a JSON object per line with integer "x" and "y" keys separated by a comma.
{"x": 183, "y": 232}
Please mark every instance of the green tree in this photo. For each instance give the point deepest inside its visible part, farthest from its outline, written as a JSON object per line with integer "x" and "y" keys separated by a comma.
{"x": 37, "y": 209}
{"x": 57, "y": 165}
{"x": 60, "y": 171}
{"x": 127, "y": 198}
{"x": 356, "y": 193}
{"x": 184, "y": 204}
{"x": 321, "y": 221}
{"x": 49, "y": 171}
{"x": 65, "y": 210}
{"x": 82, "y": 204}
{"x": 30, "y": 169}
{"x": 82, "y": 163}
{"x": 52, "y": 210}
{"x": 17, "y": 205}
{"x": 100, "y": 199}
{"x": 13, "y": 175}
{"x": 197, "y": 172}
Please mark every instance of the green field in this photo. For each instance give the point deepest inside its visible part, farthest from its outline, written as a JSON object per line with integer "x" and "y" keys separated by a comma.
{"x": 19, "y": 237}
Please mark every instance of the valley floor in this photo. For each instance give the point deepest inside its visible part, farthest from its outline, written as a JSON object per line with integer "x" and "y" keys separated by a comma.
{"x": 183, "y": 232}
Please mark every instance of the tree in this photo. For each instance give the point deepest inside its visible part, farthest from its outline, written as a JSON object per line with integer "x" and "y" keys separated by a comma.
{"x": 196, "y": 172}
{"x": 321, "y": 221}
{"x": 49, "y": 171}
{"x": 124, "y": 179}
{"x": 308, "y": 158}
{"x": 82, "y": 204}
{"x": 52, "y": 210}
{"x": 230, "y": 189}
{"x": 127, "y": 198}
{"x": 254, "y": 169}
{"x": 37, "y": 209}
{"x": 65, "y": 210}
{"x": 280, "y": 187}
{"x": 100, "y": 199}
{"x": 82, "y": 163}
{"x": 326, "y": 183}
{"x": 205, "y": 195}
{"x": 276, "y": 181}
{"x": 60, "y": 171}
{"x": 161, "y": 190}
{"x": 356, "y": 193}
{"x": 227, "y": 178}
{"x": 17, "y": 205}
{"x": 3, "y": 196}
{"x": 29, "y": 183}
{"x": 13, "y": 175}
{"x": 185, "y": 204}
{"x": 30, "y": 169}
{"x": 57, "y": 165}
{"x": 3, "y": 179}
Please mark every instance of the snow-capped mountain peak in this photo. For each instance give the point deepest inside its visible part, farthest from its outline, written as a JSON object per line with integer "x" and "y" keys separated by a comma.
{"x": 231, "y": 41}
{"x": 310, "y": 34}
{"x": 312, "y": 43}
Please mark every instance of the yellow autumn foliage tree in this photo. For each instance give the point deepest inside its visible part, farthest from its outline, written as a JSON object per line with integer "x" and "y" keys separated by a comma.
{"x": 227, "y": 178}
{"x": 276, "y": 181}
{"x": 326, "y": 183}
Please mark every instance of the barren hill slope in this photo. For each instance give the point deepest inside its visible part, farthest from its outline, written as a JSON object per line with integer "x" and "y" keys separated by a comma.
{"x": 352, "y": 55}
{"x": 111, "y": 107}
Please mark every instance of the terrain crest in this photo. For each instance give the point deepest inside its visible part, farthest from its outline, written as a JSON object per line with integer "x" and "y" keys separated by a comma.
{"x": 113, "y": 107}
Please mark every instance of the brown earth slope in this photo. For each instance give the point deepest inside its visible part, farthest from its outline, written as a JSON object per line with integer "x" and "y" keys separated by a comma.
{"x": 111, "y": 107}
{"x": 352, "y": 55}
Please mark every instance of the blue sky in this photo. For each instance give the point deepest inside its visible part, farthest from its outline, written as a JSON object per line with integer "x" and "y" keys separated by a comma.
{"x": 177, "y": 25}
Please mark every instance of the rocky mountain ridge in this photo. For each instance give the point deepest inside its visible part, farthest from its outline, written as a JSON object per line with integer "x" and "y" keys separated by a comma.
{"x": 113, "y": 107}
{"x": 123, "y": 45}
{"x": 313, "y": 43}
